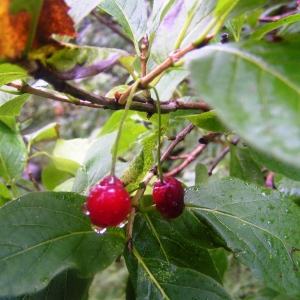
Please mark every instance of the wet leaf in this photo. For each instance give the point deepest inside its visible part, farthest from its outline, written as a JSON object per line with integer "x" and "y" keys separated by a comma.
{"x": 258, "y": 225}
{"x": 249, "y": 79}
{"x": 162, "y": 280}
{"x": 46, "y": 233}
{"x": 288, "y": 187}
{"x": 67, "y": 283}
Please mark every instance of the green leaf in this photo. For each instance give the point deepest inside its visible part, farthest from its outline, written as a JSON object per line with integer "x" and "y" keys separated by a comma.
{"x": 131, "y": 130}
{"x": 201, "y": 174}
{"x": 111, "y": 94}
{"x": 65, "y": 186}
{"x": 11, "y": 123}
{"x": 5, "y": 195}
{"x": 220, "y": 259}
{"x": 80, "y": 9}
{"x": 161, "y": 280}
{"x": 268, "y": 294}
{"x": 168, "y": 83}
{"x": 132, "y": 15}
{"x": 202, "y": 17}
{"x": 275, "y": 165}
{"x": 96, "y": 163}
{"x": 72, "y": 62}
{"x": 46, "y": 233}
{"x": 224, "y": 7}
{"x": 9, "y": 72}
{"x": 13, "y": 107}
{"x": 207, "y": 120}
{"x": 245, "y": 6}
{"x": 159, "y": 11}
{"x": 259, "y": 33}
{"x": 141, "y": 164}
{"x": 288, "y": 187}
{"x": 166, "y": 35}
{"x": 256, "y": 95}
{"x": 68, "y": 155}
{"x": 47, "y": 133}
{"x": 52, "y": 177}
{"x": 258, "y": 225}
{"x": 160, "y": 238}
{"x": 66, "y": 283}
{"x": 243, "y": 166}
{"x": 13, "y": 154}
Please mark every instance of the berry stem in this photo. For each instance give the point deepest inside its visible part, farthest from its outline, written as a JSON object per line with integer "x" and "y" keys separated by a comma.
{"x": 159, "y": 168}
{"x": 115, "y": 151}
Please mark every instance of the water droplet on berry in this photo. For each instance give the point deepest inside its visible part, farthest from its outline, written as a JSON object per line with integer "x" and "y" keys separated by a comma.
{"x": 97, "y": 229}
{"x": 121, "y": 225}
{"x": 84, "y": 209}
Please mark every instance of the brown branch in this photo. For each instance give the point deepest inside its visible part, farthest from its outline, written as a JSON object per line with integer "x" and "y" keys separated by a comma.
{"x": 270, "y": 180}
{"x": 32, "y": 179}
{"x": 191, "y": 157}
{"x": 139, "y": 103}
{"x": 144, "y": 51}
{"x": 221, "y": 156}
{"x": 163, "y": 66}
{"x": 33, "y": 91}
{"x": 278, "y": 17}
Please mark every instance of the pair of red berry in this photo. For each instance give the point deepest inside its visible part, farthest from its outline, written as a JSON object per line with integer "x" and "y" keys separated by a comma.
{"x": 109, "y": 203}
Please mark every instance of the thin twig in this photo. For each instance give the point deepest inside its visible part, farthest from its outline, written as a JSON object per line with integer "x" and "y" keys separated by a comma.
{"x": 269, "y": 183}
{"x": 278, "y": 17}
{"x": 163, "y": 66}
{"x": 33, "y": 91}
{"x": 191, "y": 157}
{"x": 221, "y": 156}
{"x": 137, "y": 104}
{"x": 32, "y": 179}
{"x": 144, "y": 51}
{"x": 24, "y": 187}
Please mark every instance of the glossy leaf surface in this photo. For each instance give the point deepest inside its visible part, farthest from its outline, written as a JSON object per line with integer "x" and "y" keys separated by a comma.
{"x": 166, "y": 281}
{"x": 46, "y": 233}
{"x": 258, "y": 225}
{"x": 249, "y": 79}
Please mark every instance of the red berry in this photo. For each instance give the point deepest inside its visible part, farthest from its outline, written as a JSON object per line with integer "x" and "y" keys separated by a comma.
{"x": 168, "y": 197}
{"x": 111, "y": 180}
{"x": 108, "y": 205}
